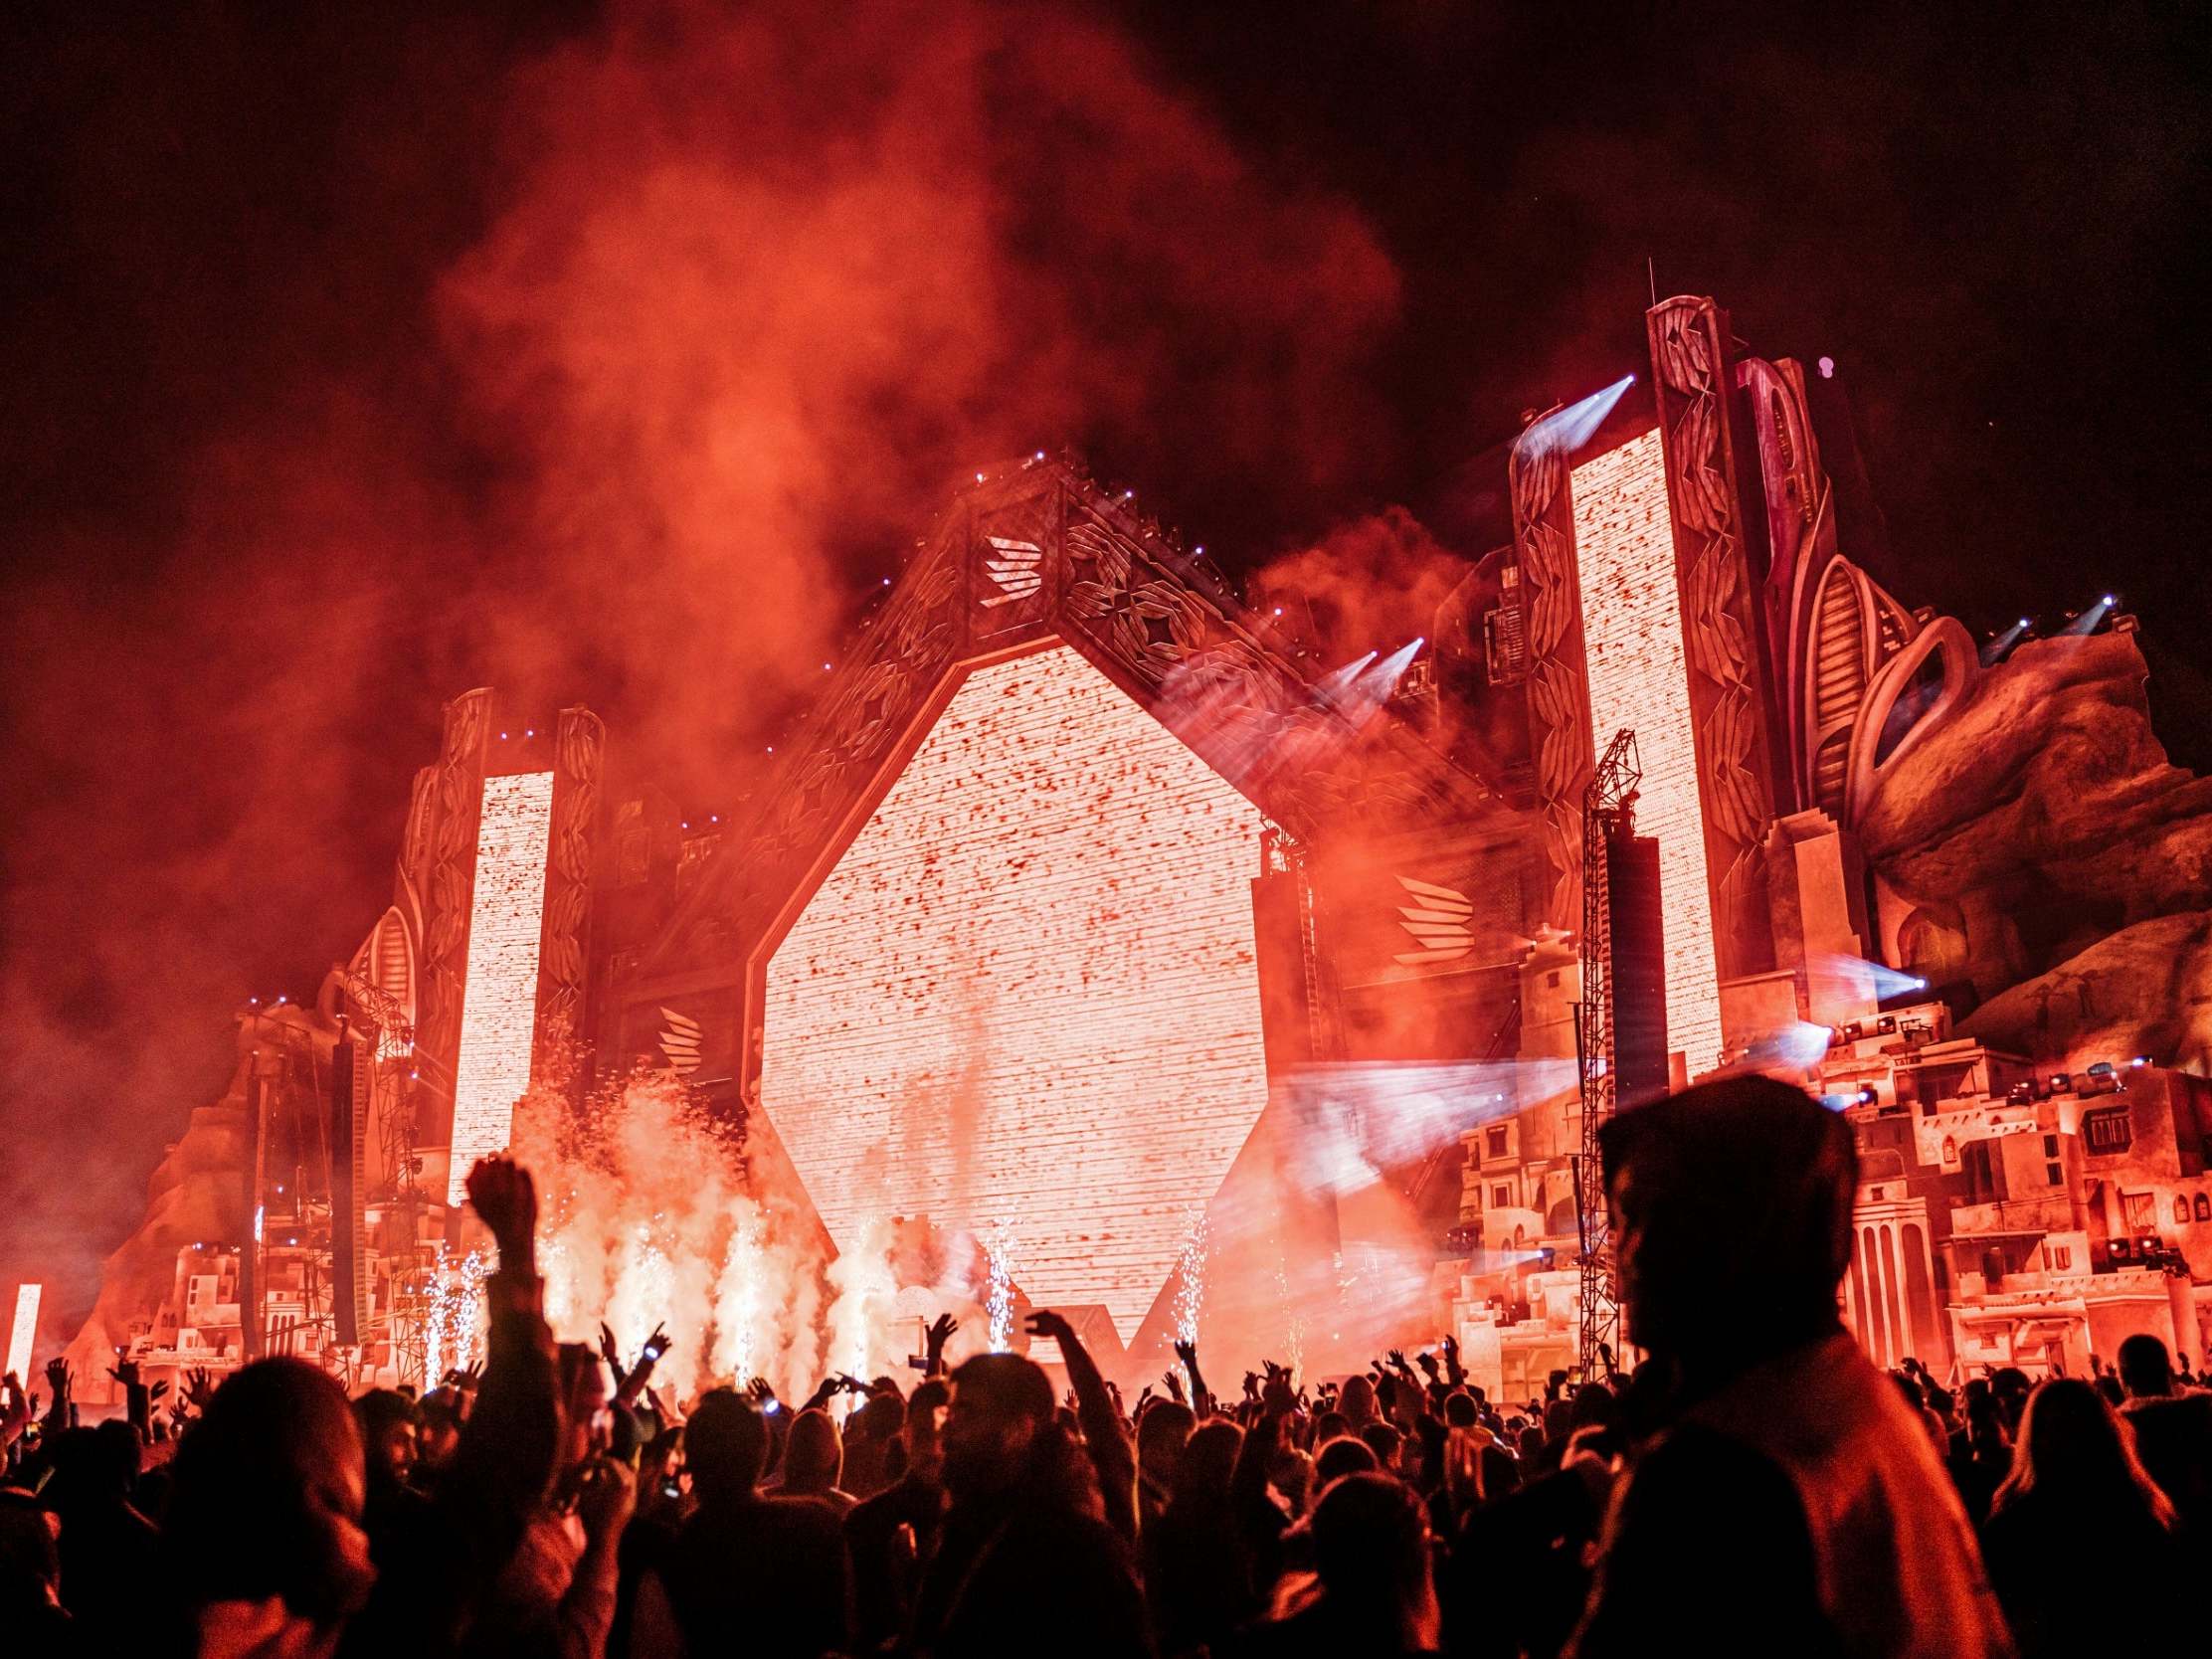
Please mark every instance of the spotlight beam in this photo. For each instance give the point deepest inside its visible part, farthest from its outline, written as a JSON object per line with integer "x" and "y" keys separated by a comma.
{"x": 2091, "y": 619}
{"x": 1570, "y": 426}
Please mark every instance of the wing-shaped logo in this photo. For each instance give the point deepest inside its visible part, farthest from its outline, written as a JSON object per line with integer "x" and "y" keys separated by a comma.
{"x": 1013, "y": 565}
{"x": 1439, "y": 920}
{"x": 679, "y": 1041}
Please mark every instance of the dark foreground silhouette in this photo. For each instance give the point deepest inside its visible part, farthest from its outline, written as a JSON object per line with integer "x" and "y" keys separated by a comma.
{"x": 1753, "y": 1486}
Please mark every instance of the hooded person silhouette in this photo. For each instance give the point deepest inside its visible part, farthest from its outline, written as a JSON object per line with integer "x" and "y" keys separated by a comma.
{"x": 1788, "y": 1501}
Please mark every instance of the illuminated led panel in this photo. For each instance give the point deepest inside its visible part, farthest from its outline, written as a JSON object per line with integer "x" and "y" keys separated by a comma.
{"x": 1632, "y": 631}
{"x": 499, "y": 996}
{"x": 1027, "y": 993}
{"x": 24, "y": 1331}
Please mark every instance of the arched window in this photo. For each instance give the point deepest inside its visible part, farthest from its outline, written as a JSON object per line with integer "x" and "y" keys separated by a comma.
{"x": 2204, "y": 1207}
{"x": 2180, "y": 1209}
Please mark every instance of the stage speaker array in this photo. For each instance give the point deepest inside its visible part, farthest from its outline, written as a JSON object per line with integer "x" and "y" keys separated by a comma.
{"x": 1639, "y": 967}
{"x": 352, "y": 1073}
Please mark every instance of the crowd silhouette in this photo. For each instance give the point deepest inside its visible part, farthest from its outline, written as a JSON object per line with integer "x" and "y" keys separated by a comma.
{"x": 1754, "y": 1485}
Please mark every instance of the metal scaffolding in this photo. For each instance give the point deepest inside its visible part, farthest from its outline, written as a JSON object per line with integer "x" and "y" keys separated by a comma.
{"x": 1609, "y": 807}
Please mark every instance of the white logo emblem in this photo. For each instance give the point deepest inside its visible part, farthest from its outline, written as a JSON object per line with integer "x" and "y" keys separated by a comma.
{"x": 1438, "y": 920}
{"x": 679, "y": 1041}
{"x": 1013, "y": 569}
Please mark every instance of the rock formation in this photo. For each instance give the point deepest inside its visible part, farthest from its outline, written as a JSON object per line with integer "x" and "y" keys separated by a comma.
{"x": 2038, "y": 817}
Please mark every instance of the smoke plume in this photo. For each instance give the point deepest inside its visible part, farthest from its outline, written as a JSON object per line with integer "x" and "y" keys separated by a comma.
{"x": 614, "y": 364}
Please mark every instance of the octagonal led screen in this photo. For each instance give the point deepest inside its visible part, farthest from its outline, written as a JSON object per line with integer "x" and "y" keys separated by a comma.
{"x": 1025, "y": 1000}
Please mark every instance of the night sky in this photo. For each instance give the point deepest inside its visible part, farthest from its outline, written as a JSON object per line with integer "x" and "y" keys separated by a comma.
{"x": 611, "y": 355}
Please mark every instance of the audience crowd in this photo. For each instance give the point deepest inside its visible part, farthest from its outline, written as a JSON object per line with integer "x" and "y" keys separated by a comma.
{"x": 1754, "y": 1484}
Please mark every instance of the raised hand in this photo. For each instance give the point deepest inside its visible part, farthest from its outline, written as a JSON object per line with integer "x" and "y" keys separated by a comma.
{"x": 656, "y": 1346}
{"x": 610, "y": 1350}
{"x": 57, "y": 1377}
{"x": 507, "y": 1200}
{"x": 940, "y": 1333}
{"x": 1430, "y": 1367}
{"x": 124, "y": 1372}
{"x": 157, "y": 1390}
{"x": 1452, "y": 1367}
{"x": 1202, "y": 1401}
{"x": 605, "y": 1496}
{"x": 1143, "y": 1396}
{"x": 1174, "y": 1381}
{"x": 199, "y": 1388}
{"x": 1046, "y": 1322}
{"x": 1399, "y": 1365}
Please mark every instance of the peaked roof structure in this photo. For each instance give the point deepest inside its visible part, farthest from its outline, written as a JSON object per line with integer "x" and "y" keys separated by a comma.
{"x": 1037, "y": 551}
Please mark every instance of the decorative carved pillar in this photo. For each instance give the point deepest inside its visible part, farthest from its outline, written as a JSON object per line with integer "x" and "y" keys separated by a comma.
{"x": 448, "y": 881}
{"x": 1720, "y": 624}
{"x": 1558, "y": 686}
{"x": 1801, "y": 537}
{"x": 579, "y": 750}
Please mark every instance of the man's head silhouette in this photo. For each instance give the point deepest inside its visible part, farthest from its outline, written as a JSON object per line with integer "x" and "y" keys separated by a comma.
{"x": 725, "y": 1446}
{"x": 1000, "y": 1403}
{"x": 1731, "y": 1205}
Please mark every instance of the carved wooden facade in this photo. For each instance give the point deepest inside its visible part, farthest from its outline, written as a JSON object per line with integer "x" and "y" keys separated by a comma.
{"x": 1721, "y": 625}
{"x": 564, "y": 945}
{"x": 1035, "y": 555}
{"x": 1558, "y": 676}
{"x": 443, "y": 845}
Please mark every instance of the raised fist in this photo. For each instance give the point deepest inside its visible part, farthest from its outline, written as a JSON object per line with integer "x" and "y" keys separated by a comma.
{"x": 507, "y": 1200}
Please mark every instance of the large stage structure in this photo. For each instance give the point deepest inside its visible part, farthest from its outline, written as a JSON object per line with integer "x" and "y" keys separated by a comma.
{"x": 1074, "y": 874}
{"x": 1096, "y": 923}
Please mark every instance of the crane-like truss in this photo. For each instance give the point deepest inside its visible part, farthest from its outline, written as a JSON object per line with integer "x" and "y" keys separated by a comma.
{"x": 1608, "y": 808}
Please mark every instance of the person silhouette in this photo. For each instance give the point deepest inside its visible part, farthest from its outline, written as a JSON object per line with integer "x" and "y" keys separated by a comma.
{"x": 1026, "y": 1559}
{"x": 2173, "y": 1431}
{"x": 1788, "y": 1500}
{"x": 2077, "y": 1493}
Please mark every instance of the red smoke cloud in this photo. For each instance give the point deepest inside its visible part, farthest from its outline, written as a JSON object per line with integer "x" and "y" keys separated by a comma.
{"x": 1370, "y": 584}
{"x": 611, "y": 369}
{"x": 759, "y": 292}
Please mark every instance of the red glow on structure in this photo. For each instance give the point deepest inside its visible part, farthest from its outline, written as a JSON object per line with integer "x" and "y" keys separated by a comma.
{"x": 499, "y": 1008}
{"x": 1025, "y": 1001}
{"x": 1632, "y": 631}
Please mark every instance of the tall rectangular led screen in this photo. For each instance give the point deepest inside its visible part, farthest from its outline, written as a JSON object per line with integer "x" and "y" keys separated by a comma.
{"x": 1632, "y": 633}
{"x": 23, "y": 1332}
{"x": 499, "y": 994}
{"x": 1025, "y": 1000}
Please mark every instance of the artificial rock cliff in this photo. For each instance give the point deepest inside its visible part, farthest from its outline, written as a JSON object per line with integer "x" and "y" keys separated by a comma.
{"x": 2055, "y": 858}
